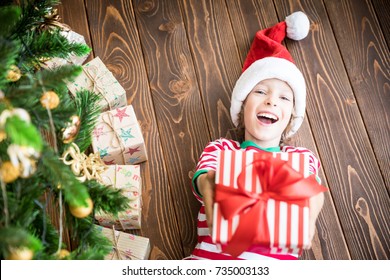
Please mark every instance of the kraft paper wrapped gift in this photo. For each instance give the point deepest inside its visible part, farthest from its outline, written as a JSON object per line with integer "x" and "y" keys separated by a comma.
{"x": 262, "y": 199}
{"x": 97, "y": 78}
{"x": 118, "y": 139}
{"x": 56, "y": 62}
{"x": 126, "y": 246}
{"x": 128, "y": 179}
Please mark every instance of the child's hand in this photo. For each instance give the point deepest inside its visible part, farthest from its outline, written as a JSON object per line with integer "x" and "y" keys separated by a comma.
{"x": 206, "y": 187}
{"x": 316, "y": 203}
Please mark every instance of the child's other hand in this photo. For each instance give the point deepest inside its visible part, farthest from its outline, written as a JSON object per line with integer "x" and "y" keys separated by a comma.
{"x": 206, "y": 187}
{"x": 316, "y": 203}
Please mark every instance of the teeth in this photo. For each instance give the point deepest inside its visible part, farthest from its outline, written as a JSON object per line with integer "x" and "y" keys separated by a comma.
{"x": 269, "y": 116}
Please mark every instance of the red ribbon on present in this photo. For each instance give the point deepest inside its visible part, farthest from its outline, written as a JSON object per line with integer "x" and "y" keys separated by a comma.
{"x": 279, "y": 181}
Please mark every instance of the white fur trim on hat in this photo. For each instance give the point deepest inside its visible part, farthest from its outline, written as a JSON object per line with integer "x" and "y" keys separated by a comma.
{"x": 298, "y": 26}
{"x": 268, "y": 68}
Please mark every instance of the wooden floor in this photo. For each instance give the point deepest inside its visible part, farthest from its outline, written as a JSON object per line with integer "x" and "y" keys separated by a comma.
{"x": 178, "y": 61}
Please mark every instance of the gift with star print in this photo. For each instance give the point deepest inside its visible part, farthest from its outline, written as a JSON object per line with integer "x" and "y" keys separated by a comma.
{"x": 117, "y": 137}
{"x": 97, "y": 78}
{"x": 126, "y": 178}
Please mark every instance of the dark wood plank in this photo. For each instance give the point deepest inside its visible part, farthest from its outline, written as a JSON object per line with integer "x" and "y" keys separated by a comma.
{"x": 116, "y": 42}
{"x": 245, "y": 16}
{"x": 382, "y": 9}
{"x": 367, "y": 61}
{"x": 177, "y": 104}
{"x": 217, "y": 62}
{"x": 349, "y": 162}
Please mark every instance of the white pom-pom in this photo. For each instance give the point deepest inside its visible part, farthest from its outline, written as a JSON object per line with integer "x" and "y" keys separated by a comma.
{"x": 298, "y": 26}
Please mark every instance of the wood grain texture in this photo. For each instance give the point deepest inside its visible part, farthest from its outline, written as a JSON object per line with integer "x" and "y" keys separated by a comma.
{"x": 247, "y": 18}
{"x": 177, "y": 104}
{"x": 349, "y": 162}
{"x": 216, "y": 60}
{"x": 382, "y": 9}
{"x": 367, "y": 61}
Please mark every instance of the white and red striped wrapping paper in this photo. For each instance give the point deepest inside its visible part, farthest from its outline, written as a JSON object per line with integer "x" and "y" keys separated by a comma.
{"x": 288, "y": 223}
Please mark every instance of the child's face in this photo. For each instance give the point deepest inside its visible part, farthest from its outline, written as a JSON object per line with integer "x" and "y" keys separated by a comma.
{"x": 267, "y": 112}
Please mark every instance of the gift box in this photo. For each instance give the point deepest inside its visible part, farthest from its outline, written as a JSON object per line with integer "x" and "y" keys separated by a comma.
{"x": 128, "y": 179}
{"x": 262, "y": 199}
{"x": 126, "y": 246}
{"x": 97, "y": 78}
{"x": 56, "y": 62}
{"x": 118, "y": 137}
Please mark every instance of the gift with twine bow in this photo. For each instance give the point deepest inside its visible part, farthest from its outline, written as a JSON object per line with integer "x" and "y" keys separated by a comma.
{"x": 262, "y": 199}
{"x": 128, "y": 179}
{"x": 118, "y": 139}
{"x": 97, "y": 78}
{"x": 126, "y": 246}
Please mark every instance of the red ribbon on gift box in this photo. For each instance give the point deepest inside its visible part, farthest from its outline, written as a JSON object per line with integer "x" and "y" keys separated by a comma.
{"x": 279, "y": 181}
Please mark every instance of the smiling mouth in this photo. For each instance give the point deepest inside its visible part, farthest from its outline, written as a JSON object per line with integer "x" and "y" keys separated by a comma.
{"x": 267, "y": 118}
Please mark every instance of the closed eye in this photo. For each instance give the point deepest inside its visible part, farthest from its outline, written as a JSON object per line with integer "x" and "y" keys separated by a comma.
{"x": 285, "y": 98}
{"x": 260, "y": 92}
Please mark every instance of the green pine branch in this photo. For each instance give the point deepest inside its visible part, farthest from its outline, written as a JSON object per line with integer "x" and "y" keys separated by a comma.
{"x": 88, "y": 109}
{"x": 32, "y": 16}
{"x": 107, "y": 199}
{"x": 60, "y": 176}
{"x": 26, "y": 222}
{"x": 9, "y": 16}
{"x": 47, "y": 44}
{"x": 85, "y": 233}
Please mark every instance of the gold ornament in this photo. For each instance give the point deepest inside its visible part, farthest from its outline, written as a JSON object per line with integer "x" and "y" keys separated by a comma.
{"x": 20, "y": 254}
{"x": 82, "y": 211}
{"x": 3, "y": 135}
{"x": 50, "y": 99}
{"x": 84, "y": 167}
{"x": 63, "y": 253}
{"x": 9, "y": 172}
{"x": 70, "y": 132}
{"x": 14, "y": 74}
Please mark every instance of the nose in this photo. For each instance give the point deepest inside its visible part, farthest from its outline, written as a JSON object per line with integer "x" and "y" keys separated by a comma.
{"x": 270, "y": 100}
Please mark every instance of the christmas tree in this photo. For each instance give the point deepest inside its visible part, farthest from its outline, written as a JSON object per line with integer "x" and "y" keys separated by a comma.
{"x": 44, "y": 135}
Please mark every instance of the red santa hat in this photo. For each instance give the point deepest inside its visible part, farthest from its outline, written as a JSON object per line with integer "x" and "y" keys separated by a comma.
{"x": 268, "y": 58}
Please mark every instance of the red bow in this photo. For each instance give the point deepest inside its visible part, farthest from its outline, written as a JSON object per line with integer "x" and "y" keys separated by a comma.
{"x": 279, "y": 181}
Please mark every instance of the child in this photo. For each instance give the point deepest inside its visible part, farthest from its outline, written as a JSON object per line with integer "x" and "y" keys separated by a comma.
{"x": 268, "y": 104}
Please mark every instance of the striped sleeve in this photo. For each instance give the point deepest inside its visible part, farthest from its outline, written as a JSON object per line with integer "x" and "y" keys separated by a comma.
{"x": 208, "y": 159}
{"x": 314, "y": 162}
